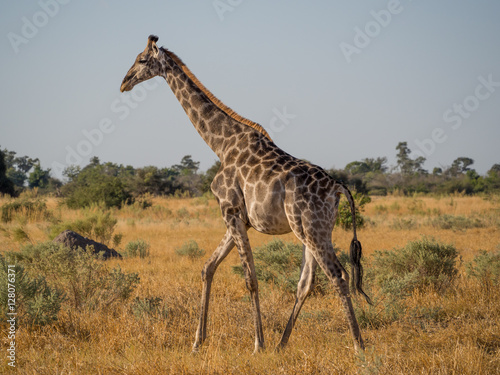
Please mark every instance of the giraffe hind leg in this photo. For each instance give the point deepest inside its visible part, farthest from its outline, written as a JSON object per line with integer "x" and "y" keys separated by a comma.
{"x": 332, "y": 268}
{"x": 304, "y": 287}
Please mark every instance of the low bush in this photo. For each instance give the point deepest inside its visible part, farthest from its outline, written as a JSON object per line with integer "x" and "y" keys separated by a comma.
{"x": 417, "y": 207}
{"x": 404, "y": 224}
{"x": 485, "y": 266}
{"x": 344, "y": 216}
{"x": 182, "y": 213}
{"x": 456, "y": 222}
{"x": 86, "y": 281}
{"x": 190, "y": 249}
{"x": 422, "y": 263}
{"x": 394, "y": 275}
{"x": 31, "y": 298}
{"x": 138, "y": 248}
{"x": 381, "y": 209}
{"x": 20, "y": 234}
{"x": 148, "y": 307}
{"x": 30, "y": 209}
{"x": 383, "y": 312}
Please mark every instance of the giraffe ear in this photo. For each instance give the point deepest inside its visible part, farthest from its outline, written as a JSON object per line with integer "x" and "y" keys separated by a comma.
{"x": 152, "y": 44}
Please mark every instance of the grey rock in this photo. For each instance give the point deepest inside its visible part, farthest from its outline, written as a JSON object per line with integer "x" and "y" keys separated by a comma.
{"x": 74, "y": 240}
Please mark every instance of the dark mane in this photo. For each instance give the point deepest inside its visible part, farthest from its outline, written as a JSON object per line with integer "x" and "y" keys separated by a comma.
{"x": 211, "y": 96}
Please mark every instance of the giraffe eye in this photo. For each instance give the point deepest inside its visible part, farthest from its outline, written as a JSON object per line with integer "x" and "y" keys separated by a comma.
{"x": 143, "y": 61}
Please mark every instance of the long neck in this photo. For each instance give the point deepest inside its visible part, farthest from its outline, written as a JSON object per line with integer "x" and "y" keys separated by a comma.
{"x": 216, "y": 123}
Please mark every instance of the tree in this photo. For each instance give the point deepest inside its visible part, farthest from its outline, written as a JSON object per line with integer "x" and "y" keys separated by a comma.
{"x": 367, "y": 165}
{"x": 408, "y": 166}
{"x": 188, "y": 180}
{"x": 153, "y": 180}
{"x": 209, "y": 175}
{"x": 6, "y": 185}
{"x": 461, "y": 165}
{"x": 97, "y": 183}
{"x": 187, "y": 166}
{"x": 437, "y": 171}
{"x": 71, "y": 172}
{"x": 377, "y": 165}
{"x": 25, "y": 163}
{"x": 354, "y": 182}
{"x": 18, "y": 167}
{"x": 39, "y": 177}
{"x": 403, "y": 157}
{"x": 357, "y": 167}
{"x": 494, "y": 169}
{"x": 492, "y": 179}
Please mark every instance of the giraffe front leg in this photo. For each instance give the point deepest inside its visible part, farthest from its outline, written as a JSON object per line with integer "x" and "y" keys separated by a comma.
{"x": 239, "y": 234}
{"x": 207, "y": 274}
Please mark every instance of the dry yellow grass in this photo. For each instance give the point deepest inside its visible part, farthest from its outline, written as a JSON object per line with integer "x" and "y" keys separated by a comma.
{"x": 116, "y": 342}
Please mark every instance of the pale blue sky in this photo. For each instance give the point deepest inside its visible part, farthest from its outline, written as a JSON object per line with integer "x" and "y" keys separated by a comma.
{"x": 63, "y": 62}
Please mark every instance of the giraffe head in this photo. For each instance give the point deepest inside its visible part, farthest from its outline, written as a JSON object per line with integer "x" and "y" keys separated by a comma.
{"x": 147, "y": 65}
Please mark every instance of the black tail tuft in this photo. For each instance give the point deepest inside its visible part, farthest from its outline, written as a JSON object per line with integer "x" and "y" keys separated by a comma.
{"x": 357, "y": 269}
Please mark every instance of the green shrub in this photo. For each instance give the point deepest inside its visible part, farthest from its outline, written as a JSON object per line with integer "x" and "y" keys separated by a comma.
{"x": 35, "y": 302}
{"x": 417, "y": 207}
{"x": 279, "y": 263}
{"x": 137, "y": 248}
{"x": 32, "y": 210}
{"x": 344, "y": 216}
{"x": 19, "y": 234}
{"x": 98, "y": 226}
{"x": 182, "y": 213}
{"x": 381, "y": 209}
{"x": 117, "y": 239}
{"x": 382, "y": 313}
{"x": 148, "y": 307}
{"x": 456, "y": 222}
{"x": 404, "y": 224}
{"x": 85, "y": 279}
{"x": 143, "y": 202}
{"x": 190, "y": 249}
{"x": 423, "y": 263}
{"x": 393, "y": 275}
{"x": 485, "y": 266}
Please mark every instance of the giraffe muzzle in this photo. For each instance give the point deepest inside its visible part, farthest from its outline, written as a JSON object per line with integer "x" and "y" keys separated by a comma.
{"x": 126, "y": 83}
{"x": 125, "y": 86}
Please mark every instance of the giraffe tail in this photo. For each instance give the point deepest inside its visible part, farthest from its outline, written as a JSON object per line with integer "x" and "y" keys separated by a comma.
{"x": 355, "y": 251}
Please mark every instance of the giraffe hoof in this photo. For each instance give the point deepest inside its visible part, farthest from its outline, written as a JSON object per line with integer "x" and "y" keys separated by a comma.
{"x": 258, "y": 350}
{"x": 358, "y": 349}
{"x": 280, "y": 347}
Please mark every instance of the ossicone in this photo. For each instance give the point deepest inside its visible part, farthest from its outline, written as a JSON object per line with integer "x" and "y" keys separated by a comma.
{"x": 153, "y": 38}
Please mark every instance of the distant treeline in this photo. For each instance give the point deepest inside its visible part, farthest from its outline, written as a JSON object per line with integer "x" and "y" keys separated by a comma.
{"x": 115, "y": 185}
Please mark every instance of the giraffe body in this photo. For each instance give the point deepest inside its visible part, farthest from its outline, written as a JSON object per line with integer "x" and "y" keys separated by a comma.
{"x": 258, "y": 186}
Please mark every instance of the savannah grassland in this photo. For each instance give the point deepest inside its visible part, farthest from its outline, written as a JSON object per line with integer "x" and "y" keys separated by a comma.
{"x": 452, "y": 331}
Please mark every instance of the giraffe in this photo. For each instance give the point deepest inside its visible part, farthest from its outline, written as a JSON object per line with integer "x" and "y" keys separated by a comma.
{"x": 259, "y": 186}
